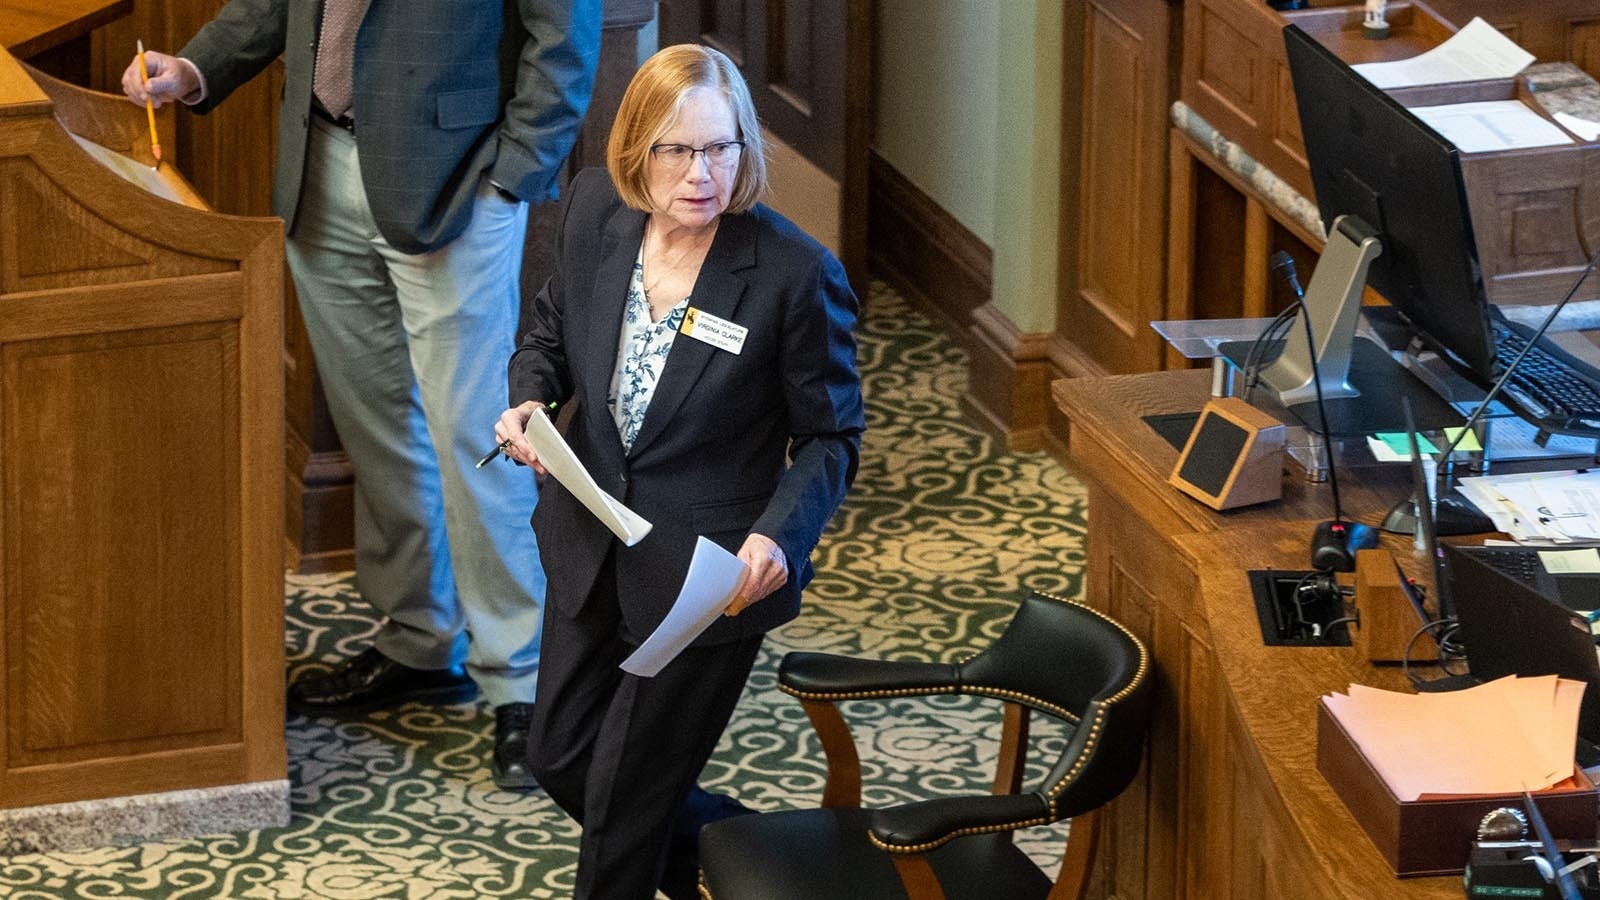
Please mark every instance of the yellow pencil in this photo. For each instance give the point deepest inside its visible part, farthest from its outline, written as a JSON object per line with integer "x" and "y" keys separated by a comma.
{"x": 149, "y": 108}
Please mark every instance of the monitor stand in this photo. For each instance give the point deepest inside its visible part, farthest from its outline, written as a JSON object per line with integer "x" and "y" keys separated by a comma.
{"x": 1361, "y": 383}
{"x": 1333, "y": 301}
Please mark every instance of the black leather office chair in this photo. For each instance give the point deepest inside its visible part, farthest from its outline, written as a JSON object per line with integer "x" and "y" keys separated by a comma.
{"x": 1056, "y": 658}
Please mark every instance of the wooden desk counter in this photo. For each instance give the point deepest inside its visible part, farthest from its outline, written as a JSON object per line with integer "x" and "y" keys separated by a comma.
{"x": 30, "y": 27}
{"x": 1230, "y": 804}
{"x": 1282, "y": 806}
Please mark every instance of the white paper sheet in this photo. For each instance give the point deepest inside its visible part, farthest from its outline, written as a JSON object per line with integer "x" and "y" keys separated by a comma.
{"x": 130, "y": 169}
{"x": 1581, "y": 127}
{"x": 564, "y": 467}
{"x": 1476, "y": 52}
{"x": 1539, "y": 507}
{"x": 1491, "y": 125}
{"x": 714, "y": 576}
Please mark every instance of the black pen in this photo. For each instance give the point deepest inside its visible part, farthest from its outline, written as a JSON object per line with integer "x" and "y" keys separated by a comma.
{"x": 501, "y": 447}
{"x": 489, "y": 457}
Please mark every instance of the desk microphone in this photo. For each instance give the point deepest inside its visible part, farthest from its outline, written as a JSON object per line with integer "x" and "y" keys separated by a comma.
{"x": 1334, "y": 543}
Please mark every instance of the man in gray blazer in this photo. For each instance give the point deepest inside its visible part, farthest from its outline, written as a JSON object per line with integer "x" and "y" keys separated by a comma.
{"x": 412, "y": 135}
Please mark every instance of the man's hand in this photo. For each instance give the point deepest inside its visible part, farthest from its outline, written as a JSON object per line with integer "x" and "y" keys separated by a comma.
{"x": 769, "y": 570}
{"x": 170, "y": 79}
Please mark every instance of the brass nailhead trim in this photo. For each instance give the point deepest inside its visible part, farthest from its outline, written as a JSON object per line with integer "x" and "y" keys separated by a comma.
{"x": 929, "y": 690}
{"x": 962, "y": 832}
{"x": 1051, "y": 795}
{"x": 1098, "y": 724}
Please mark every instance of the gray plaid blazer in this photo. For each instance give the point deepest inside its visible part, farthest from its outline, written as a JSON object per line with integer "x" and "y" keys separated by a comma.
{"x": 445, "y": 90}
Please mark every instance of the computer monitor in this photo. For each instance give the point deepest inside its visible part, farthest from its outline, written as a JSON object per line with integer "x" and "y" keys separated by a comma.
{"x": 1372, "y": 159}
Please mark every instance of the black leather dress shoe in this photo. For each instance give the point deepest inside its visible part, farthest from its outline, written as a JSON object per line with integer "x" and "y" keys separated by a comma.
{"x": 369, "y": 680}
{"x": 509, "y": 764}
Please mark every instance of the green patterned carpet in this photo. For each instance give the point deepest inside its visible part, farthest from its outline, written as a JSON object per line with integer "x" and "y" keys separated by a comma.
{"x": 943, "y": 533}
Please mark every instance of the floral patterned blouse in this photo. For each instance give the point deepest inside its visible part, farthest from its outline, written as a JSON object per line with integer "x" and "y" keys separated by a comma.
{"x": 642, "y": 351}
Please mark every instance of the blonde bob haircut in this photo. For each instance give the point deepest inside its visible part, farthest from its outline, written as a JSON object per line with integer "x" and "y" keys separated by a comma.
{"x": 651, "y": 106}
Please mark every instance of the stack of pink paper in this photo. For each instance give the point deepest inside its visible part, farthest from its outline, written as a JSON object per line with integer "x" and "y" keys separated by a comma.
{"x": 1506, "y": 736}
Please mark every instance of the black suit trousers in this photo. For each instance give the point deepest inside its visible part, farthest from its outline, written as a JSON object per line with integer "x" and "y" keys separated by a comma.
{"x": 622, "y": 754}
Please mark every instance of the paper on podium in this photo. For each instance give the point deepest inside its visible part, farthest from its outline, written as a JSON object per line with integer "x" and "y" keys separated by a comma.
{"x": 1476, "y": 52}
{"x": 714, "y": 576}
{"x": 564, "y": 467}
{"x": 131, "y": 170}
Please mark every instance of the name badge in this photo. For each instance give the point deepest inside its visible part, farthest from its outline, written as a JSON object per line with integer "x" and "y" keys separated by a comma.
{"x": 713, "y": 330}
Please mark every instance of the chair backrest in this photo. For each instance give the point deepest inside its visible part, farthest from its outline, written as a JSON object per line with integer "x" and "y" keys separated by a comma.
{"x": 1074, "y": 663}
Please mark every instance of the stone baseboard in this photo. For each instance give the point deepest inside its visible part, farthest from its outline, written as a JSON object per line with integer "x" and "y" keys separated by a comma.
{"x": 120, "y": 821}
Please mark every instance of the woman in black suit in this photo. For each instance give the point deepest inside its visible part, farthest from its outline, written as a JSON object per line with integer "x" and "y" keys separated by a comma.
{"x": 745, "y": 428}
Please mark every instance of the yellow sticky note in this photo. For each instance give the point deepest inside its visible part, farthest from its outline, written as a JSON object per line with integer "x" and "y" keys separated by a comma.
{"x": 1468, "y": 443}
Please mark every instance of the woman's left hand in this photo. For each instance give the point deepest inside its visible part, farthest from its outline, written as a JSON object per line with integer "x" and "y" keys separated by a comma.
{"x": 769, "y": 570}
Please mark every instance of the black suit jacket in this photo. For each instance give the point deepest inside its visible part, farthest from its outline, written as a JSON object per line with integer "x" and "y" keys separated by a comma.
{"x": 766, "y": 440}
{"x": 445, "y": 90}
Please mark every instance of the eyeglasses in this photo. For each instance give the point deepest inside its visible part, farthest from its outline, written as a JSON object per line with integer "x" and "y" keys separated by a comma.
{"x": 717, "y": 153}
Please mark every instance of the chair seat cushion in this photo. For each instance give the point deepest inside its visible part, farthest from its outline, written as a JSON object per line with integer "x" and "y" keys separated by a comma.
{"x": 817, "y": 853}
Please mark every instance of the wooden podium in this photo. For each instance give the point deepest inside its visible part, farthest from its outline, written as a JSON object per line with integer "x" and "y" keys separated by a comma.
{"x": 141, "y": 469}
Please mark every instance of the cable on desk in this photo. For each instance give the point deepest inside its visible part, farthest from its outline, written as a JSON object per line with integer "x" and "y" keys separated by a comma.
{"x": 1252, "y": 361}
{"x": 1449, "y": 652}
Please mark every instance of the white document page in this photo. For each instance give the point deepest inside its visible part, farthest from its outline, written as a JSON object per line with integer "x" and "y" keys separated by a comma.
{"x": 714, "y": 576}
{"x": 1491, "y": 125}
{"x": 131, "y": 170}
{"x": 564, "y": 467}
{"x": 1581, "y": 127}
{"x": 1476, "y": 52}
{"x": 1571, "y": 505}
{"x": 1513, "y": 503}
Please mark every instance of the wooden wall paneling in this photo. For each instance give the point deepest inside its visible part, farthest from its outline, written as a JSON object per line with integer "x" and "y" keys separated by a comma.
{"x": 1206, "y": 835}
{"x": 1119, "y": 221}
{"x": 1182, "y": 172}
{"x": 1216, "y": 245}
{"x": 88, "y": 520}
{"x": 809, "y": 67}
{"x": 1151, "y": 852}
{"x": 1583, "y": 46}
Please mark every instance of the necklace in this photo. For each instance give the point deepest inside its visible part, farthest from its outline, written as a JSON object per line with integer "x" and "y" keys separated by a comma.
{"x": 688, "y": 259}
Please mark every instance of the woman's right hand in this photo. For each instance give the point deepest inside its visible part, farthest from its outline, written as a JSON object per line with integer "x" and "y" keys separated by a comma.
{"x": 508, "y": 431}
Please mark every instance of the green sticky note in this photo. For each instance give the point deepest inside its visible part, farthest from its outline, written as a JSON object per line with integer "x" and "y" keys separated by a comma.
{"x": 1468, "y": 443}
{"x": 1400, "y": 443}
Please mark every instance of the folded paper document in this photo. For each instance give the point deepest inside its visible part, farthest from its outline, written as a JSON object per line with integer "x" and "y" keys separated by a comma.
{"x": 564, "y": 467}
{"x": 714, "y": 576}
{"x": 1477, "y": 52}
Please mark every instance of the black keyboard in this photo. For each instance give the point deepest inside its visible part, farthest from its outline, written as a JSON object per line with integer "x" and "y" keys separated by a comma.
{"x": 1520, "y": 563}
{"x": 1561, "y": 391}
